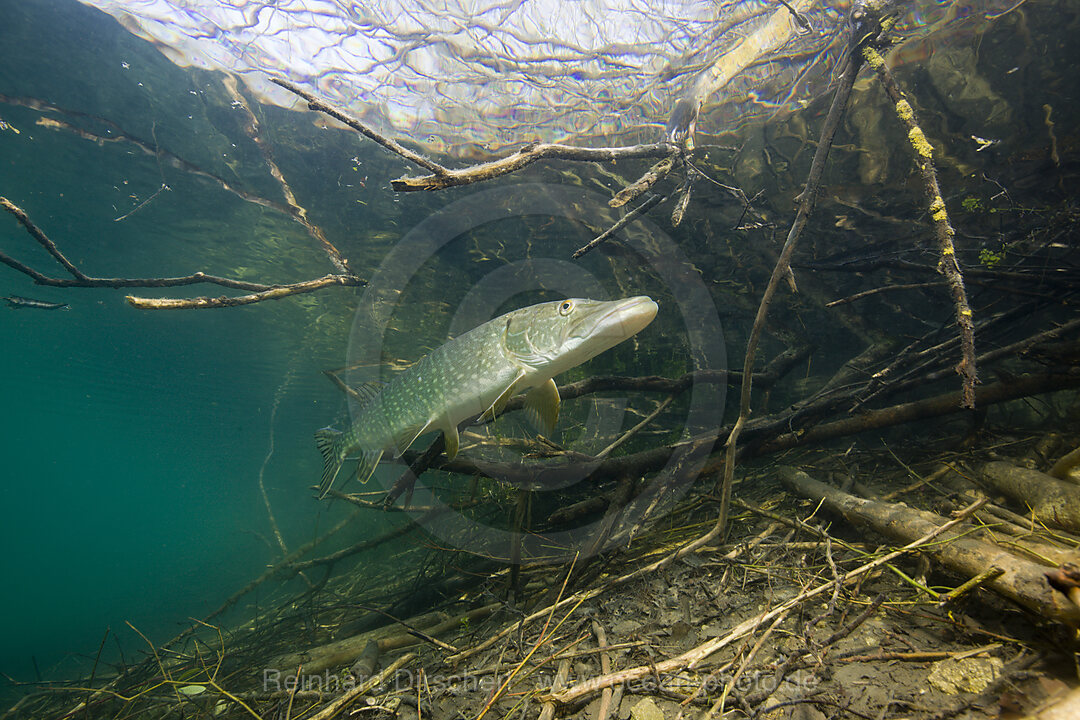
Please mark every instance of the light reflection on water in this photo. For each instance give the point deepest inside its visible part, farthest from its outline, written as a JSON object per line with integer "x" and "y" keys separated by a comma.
{"x": 488, "y": 74}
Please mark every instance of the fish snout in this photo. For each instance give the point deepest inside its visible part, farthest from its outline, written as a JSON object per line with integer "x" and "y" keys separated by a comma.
{"x": 634, "y": 314}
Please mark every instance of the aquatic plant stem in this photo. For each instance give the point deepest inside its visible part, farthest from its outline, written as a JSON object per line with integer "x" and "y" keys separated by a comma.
{"x": 939, "y": 216}
{"x": 845, "y": 82}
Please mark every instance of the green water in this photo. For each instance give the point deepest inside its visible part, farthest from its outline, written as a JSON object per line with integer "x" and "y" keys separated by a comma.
{"x": 133, "y": 441}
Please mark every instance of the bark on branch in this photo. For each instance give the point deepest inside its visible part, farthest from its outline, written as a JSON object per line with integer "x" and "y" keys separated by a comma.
{"x": 1023, "y": 582}
{"x": 948, "y": 265}
{"x": 1051, "y": 500}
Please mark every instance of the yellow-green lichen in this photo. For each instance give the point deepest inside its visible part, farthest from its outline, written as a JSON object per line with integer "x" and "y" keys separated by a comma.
{"x": 990, "y": 259}
{"x": 903, "y": 109}
{"x": 873, "y": 58}
{"x": 948, "y": 251}
{"x": 920, "y": 143}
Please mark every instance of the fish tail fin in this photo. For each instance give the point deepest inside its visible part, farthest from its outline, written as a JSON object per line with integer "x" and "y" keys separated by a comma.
{"x": 331, "y": 444}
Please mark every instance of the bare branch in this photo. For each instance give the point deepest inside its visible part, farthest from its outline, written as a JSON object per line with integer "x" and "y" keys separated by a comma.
{"x": 275, "y": 292}
{"x": 259, "y": 291}
{"x": 340, "y": 115}
{"x": 442, "y": 177}
{"x": 526, "y": 156}
{"x": 41, "y": 237}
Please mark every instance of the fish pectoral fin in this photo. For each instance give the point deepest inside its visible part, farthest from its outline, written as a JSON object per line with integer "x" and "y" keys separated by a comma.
{"x": 450, "y": 441}
{"x": 542, "y": 406}
{"x": 369, "y": 460}
{"x": 500, "y": 402}
{"x": 407, "y": 436}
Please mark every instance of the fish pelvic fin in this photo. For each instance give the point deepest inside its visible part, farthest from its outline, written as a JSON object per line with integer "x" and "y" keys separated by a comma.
{"x": 331, "y": 444}
{"x": 369, "y": 460}
{"x": 451, "y": 440}
{"x": 542, "y": 406}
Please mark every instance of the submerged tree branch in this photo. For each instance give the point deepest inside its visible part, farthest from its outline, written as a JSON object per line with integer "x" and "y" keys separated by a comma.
{"x": 258, "y": 291}
{"x": 273, "y": 292}
{"x": 443, "y": 177}
{"x": 939, "y": 216}
{"x": 341, "y": 116}
{"x": 807, "y": 199}
{"x": 526, "y": 156}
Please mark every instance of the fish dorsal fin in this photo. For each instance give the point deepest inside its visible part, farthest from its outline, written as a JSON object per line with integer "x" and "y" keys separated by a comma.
{"x": 407, "y": 436}
{"x": 500, "y": 402}
{"x": 450, "y": 441}
{"x": 368, "y": 391}
{"x": 542, "y": 406}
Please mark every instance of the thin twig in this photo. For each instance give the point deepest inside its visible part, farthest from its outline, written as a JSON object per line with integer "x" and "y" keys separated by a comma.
{"x": 644, "y": 207}
{"x": 887, "y": 288}
{"x": 845, "y": 82}
{"x": 41, "y": 237}
{"x": 634, "y": 430}
{"x": 340, "y": 115}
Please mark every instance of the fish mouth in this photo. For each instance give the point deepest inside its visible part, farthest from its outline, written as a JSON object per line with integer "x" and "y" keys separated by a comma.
{"x": 626, "y": 318}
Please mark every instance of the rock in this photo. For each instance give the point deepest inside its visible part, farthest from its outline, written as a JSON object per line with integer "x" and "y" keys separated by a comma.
{"x": 968, "y": 675}
{"x": 646, "y": 709}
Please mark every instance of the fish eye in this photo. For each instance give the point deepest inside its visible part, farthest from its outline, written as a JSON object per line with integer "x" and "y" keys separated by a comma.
{"x": 566, "y": 307}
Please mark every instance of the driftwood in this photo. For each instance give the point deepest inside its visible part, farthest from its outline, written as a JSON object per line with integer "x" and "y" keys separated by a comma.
{"x": 1023, "y": 581}
{"x": 939, "y": 217}
{"x": 257, "y": 292}
{"x": 763, "y": 436}
{"x": 1052, "y": 501}
{"x": 442, "y": 177}
{"x": 1065, "y": 466}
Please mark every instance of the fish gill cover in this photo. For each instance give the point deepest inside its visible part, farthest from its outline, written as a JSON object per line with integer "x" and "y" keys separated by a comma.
{"x": 456, "y": 75}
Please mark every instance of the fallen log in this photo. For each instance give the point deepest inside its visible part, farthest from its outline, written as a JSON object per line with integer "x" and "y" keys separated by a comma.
{"x": 347, "y": 651}
{"x": 1023, "y": 582}
{"x": 1053, "y": 501}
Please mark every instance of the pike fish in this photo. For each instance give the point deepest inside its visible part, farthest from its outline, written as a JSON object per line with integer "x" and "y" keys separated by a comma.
{"x": 477, "y": 373}
{"x": 17, "y": 302}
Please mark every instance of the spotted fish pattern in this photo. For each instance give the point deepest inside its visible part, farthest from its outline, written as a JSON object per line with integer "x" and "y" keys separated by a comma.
{"x": 477, "y": 373}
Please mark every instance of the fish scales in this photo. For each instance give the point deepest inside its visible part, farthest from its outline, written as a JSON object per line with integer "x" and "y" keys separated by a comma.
{"x": 477, "y": 373}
